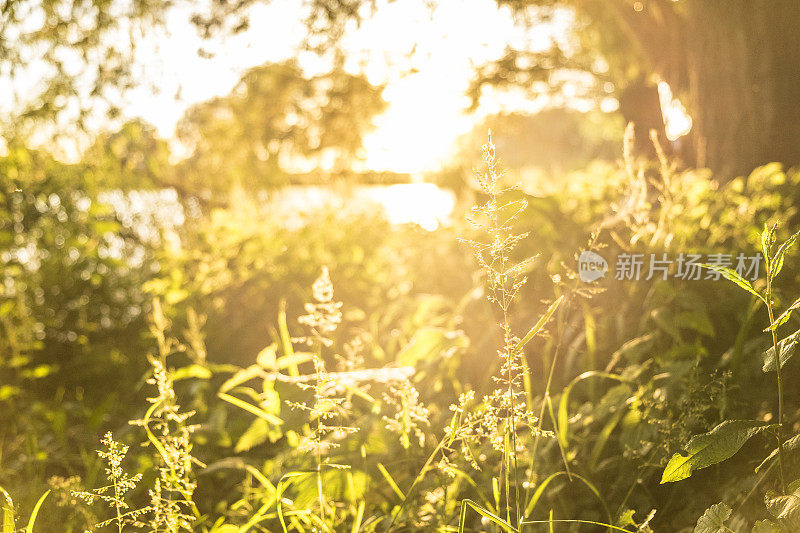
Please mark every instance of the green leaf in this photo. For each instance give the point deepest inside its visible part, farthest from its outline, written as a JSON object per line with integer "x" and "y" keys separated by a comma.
{"x": 734, "y": 276}
{"x": 269, "y": 417}
{"x": 545, "y": 318}
{"x": 505, "y": 526}
{"x": 258, "y": 433}
{"x": 781, "y": 320}
{"x": 786, "y": 348}
{"x": 790, "y": 444}
{"x": 711, "y": 448}
{"x": 626, "y": 518}
{"x": 777, "y": 262}
{"x": 713, "y": 520}
{"x": 35, "y": 513}
{"x": 767, "y": 240}
{"x": 765, "y": 526}
{"x": 8, "y": 512}
{"x": 785, "y": 508}
{"x": 192, "y": 371}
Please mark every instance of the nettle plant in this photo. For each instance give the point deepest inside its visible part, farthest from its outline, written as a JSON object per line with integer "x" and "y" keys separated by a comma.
{"x": 727, "y": 438}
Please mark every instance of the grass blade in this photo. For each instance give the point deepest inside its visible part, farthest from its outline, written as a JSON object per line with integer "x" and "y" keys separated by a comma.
{"x": 537, "y": 494}
{"x": 283, "y": 484}
{"x": 34, "y": 514}
{"x": 567, "y": 521}
{"x": 541, "y": 488}
{"x": 390, "y": 480}
{"x": 465, "y": 504}
{"x": 286, "y": 340}
{"x": 359, "y": 518}
{"x": 540, "y": 324}
{"x": 8, "y": 512}
{"x": 250, "y": 408}
{"x": 563, "y": 403}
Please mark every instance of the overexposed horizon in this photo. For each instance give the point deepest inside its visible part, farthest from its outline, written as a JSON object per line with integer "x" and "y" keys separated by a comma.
{"x": 425, "y": 57}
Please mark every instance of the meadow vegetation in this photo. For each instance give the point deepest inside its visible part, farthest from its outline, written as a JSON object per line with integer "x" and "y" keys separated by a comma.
{"x": 224, "y": 372}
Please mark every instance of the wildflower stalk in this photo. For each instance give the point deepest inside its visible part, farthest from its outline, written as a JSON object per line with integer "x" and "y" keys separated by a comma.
{"x": 504, "y": 281}
{"x": 318, "y": 371}
{"x": 166, "y": 427}
{"x": 322, "y": 318}
{"x": 120, "y": 483}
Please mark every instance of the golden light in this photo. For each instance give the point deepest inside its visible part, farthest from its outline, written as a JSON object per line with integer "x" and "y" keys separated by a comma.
{"x": 677, "y": 121}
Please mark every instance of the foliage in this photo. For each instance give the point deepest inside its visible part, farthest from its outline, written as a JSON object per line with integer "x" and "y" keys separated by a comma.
{"x": 607, "y": 389}
{"x": 273, "y": 117}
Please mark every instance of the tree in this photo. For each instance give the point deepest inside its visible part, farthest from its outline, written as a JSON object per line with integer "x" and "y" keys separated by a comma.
{"x": 133, "y": 157}
{"x": 542, "y": 146}
{"x": 272, "y": 122}
{"x": 66, "y": 64}
{"x": 732, "y": 62}
{"x": 64, "y": 61}
{"x": 275, "y": 119}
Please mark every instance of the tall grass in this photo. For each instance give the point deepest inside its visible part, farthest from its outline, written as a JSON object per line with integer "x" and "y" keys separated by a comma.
{"x": 338, "y": 436}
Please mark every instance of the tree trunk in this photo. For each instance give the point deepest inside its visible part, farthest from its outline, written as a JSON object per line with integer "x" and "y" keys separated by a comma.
{"x": 742, "y": 78}
{"x": 639, "y": 103}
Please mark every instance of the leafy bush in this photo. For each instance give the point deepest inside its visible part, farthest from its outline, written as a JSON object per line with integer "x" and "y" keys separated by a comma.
{"x": 643, "y": 405}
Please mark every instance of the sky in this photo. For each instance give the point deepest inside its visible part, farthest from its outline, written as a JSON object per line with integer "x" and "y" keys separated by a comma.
{"x": 425, "y": 115}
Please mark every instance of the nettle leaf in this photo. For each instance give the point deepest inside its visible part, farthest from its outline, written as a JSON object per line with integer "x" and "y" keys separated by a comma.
{"x": 785, "y": 507}
{"x": 790, "y": 445}
{"x": 711, "y": 448}
{"x": 781, "y": 320}
{"x": 734, "y": 276}
{"x": 767, "y": 240}
{"x": 777, "y": 262}
{"x": 765, "y": 526}
{"x": 786, "y": 348}
{"x": 713, "y": 520}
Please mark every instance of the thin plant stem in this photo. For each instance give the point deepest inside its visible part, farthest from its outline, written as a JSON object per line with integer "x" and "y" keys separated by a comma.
{"x": 318, "y": 447}
{"x": 778, "y": 363}
{"x": 414, "y": 483}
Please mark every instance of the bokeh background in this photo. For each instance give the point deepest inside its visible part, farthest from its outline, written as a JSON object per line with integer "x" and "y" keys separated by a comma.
{"x": 215, "y": 155}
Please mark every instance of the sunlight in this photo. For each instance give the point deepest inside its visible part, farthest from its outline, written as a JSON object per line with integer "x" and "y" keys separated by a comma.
{"x": 399, "y": 265}
{"x": 425, "y": 84}
{"x": 423, "y": 204}
{"x": 677, "y": 121}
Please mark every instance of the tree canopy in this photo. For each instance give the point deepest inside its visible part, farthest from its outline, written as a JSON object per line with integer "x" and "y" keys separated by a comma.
{"x": 273, "y": 122}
